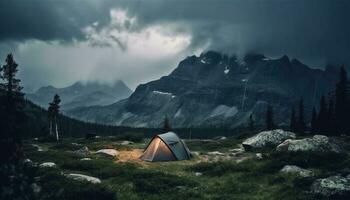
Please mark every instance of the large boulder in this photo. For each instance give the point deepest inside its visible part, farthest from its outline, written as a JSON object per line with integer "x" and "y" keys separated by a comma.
{"x": 81, "y": 177}
{"x": 108, "y": 152}
{"x": 334, "y": 186}
{"x": 266, "y": 138}
{"x": 318, "y": 143}
{"x": 293, "y": 169}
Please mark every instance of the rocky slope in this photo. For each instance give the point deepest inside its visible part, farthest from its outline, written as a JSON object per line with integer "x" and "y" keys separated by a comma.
{"x": 81, "y": 95}
{"x": 215, "y": 90}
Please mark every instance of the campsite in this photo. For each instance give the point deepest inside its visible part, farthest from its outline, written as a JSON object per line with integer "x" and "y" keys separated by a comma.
{"x": 219, "y": 168}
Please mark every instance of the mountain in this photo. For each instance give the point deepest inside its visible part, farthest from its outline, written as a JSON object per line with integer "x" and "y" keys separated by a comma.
{"x": 81, "y": 95}
{"x": 216, "y": 90}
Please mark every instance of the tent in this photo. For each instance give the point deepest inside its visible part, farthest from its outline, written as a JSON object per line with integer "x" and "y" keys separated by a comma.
{"x": 166, "y": 147}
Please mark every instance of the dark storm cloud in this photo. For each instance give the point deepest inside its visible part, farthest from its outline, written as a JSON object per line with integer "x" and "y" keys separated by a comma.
{"x": 314, "y": 30}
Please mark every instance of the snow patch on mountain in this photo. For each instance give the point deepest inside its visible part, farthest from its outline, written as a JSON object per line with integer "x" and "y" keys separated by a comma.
{"x": 223, "y": 110}
{"x": 164, "y": 93}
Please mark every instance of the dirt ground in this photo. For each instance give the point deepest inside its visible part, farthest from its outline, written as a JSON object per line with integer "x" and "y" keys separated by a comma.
{"x": 132, "y": 155}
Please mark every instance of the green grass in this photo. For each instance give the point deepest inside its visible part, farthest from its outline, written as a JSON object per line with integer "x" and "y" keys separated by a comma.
{"x": 249, "y": 179}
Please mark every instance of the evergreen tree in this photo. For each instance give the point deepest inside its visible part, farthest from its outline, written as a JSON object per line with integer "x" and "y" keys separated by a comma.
{"x": 322, "y": 117}
{"x": 314, "y": 121}
{"x": 12, "y": 115}
{"x": 251, "y": 123}
{"x": 341, "y": 103}
{"x": 166, "y": 125}
{"x": 269, "y": 118}
{"x": 293, "y": 121}
{"x": 301, "y": 120}
{"x": 330, "y": 118}
{"x": 53, "y": 111}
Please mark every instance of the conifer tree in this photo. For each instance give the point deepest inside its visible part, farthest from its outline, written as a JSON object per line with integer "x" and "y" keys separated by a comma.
{"x": 12, "y": 114}
{"x": 166, "y": 125}
{"x": 269, "y": 118}
{"x": 330, "y": 118}
{"x": 322, "y": 117}
{"x": 251, "y": 123}
{"x": 314, "y": 121}
{"x": 301, "y": 120}
{"x": 342, "y": 103}
{"x": 54, "y": 109}
{"x": 293, "y": 121}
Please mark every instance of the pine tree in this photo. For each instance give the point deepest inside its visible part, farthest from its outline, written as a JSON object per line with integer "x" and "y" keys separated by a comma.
{"x": 53, "y": 111}
{"x": 341, "y": 103}
{"x": 301, "y": 120}
{"x": 269, "y": 118}
{"x": 314, "y": 121}
{"x": 166, "y": 125}
{"x": 12, "y": 114}
{"x": 293, "y": 121}
{"x": 322, "y": 117}
{"x": 251, "y": 123}
{"x": 330, "y": 118}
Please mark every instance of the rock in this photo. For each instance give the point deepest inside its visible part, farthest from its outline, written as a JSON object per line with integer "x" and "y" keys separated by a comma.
{"x": 215, "y": 153}
{"x": 36, "y": 188}
{"x": 76, "y": 144}
{"x": 318, "y": 143}
{"x": 259, "y": 156}
{"x": 293, "y": 169}
{"x": 265, "y": 138}
{"x": 332, "y": 186}
{"x": 84, "y": 151}
{"x": 81, "y": 177}
{"x": 27, "y": 160}
{"x": 37, "y": 147}
{"x": 195, "y": 153}
{"x": 109, "y": 152}
{"x": 85, "y": 159}
{"x": 47, "y": 164}
{"x": 198, "y": 174}
{"x": 126, "y": 142}
{"x": 220, "y": 138}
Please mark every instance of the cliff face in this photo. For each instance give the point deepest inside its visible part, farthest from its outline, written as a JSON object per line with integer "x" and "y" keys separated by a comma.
{"x": 215, "y": 90}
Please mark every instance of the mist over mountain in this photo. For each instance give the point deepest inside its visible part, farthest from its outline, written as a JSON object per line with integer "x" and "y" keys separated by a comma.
{"x": 81, "y": 94}
{"x": 216, "y": 90}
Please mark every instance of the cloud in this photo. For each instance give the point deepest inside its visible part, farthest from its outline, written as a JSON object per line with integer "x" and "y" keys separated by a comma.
{"x": 142, "y": 40}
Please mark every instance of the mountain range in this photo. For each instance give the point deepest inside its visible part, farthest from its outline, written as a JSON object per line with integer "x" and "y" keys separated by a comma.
{"x": 81, "y": 94}
{"x": 217, "y": 90}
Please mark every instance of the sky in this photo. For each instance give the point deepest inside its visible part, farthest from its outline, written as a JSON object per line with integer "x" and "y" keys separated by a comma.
{"x": 59, "y": 42}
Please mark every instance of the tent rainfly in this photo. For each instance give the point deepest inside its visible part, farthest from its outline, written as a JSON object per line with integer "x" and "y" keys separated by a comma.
{"x": 166, "y": 147}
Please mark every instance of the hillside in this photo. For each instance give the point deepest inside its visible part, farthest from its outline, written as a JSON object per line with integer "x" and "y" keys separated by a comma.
{"x": 215, "y": 90}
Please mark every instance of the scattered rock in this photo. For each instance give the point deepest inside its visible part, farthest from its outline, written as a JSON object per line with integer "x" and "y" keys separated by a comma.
{"x": 38, "y": 147}
{"x": 195, "y": 153}
{"x": 47, "y": 164}
{"x": 126, "y": 142}
{"x": 81, "y": 177}
{"x": 265, "y": 138}
{"x": 109, "y": 152}
{"x": 85, "y": 159}
{"x": 220, "y": 138}
{"x": 27, "y": 160}
{"x": 318, "y": 143}
{"x": 84, "y": 151}
{"x": 293, "y": 169}
{"x": 36, "y": 188}
{"x": 198, "y": 174}
{"x": 259, "y": 156}
{"x": 76, "y": 144}
{"x": 332, "y": 186}
{"x": 215, "y": 153}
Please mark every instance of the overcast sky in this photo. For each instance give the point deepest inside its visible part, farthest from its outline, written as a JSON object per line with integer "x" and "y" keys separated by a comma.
{"x": 58, "y": 42}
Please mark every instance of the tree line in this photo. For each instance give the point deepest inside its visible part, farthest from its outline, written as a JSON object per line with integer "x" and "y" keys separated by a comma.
{"x": 330, "y": 117}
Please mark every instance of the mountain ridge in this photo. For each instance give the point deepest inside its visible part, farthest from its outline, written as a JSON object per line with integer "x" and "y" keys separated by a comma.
{"x": 216, "y": 90}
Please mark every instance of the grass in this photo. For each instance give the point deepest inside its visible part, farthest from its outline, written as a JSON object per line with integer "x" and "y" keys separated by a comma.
{"x": 249, "y": 179}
